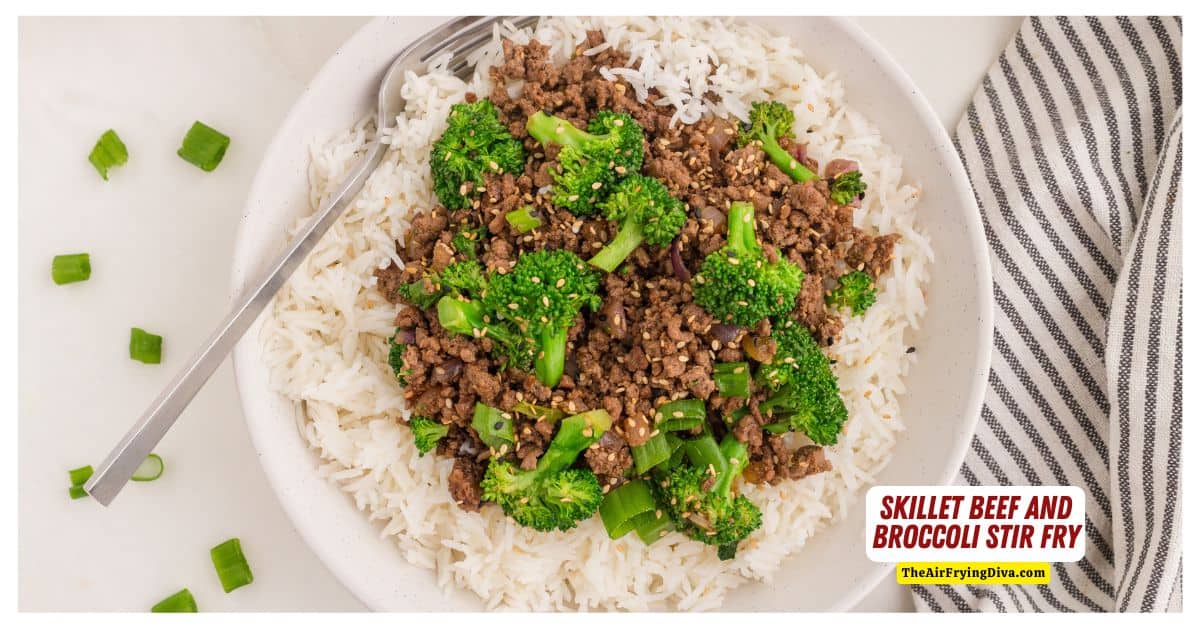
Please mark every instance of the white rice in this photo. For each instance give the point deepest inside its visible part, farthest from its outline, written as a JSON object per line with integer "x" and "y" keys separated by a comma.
{"x": 326, "y": 334}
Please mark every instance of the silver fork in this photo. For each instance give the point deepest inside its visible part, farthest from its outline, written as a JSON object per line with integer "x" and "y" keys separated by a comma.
{"x": 459, "y": 38}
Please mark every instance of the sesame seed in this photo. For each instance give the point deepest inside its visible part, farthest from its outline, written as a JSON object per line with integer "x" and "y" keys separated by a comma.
{"x": 535, "y": 279}
{"x": 596, "y": 185}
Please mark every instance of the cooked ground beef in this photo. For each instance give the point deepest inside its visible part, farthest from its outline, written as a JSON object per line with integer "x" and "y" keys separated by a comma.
{"x": 648, "y": 343}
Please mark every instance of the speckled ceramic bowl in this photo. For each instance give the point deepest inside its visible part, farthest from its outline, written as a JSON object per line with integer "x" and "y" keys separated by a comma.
{"x": 945, "y": 386}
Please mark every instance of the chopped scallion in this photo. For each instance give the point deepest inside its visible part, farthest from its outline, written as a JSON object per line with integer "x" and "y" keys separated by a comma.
{"x": 541, "y": 413}
{"x": 523, "y": 219}
{"x": 71, "y": 268}
{"x": 732, "y": 379}
{"x": 623, "y": 505}
{"x": 677, "y": 451}
{"x": 680, "y": 415}
{"x": 150, "y": 469}
{"x": 77, "y": 492}
{"x": 232, "y": 568}
{"x": 204, "y": 146}
{"x": 652, "y": 526}
{"x": 178, "y": 602}
{"x": 81, "y": 475}
{"x": 144, "y": 346}
{"x": 108, "y": 152}
{"x": 494, "y": 427}
{"x": 651, "y": 453}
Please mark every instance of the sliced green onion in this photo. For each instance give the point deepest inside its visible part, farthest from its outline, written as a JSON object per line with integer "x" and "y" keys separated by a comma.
{"x": 81, "y": 475}
{"x": 704, "y": 452}
{"x": 179, "y": 602}
{"x": 150, "y": 469}
{"x": 541, "y": 413}
{"x": 732, "y": 379}
{"x": 71, "y": 268}
{"x": 109, "y": 151}
{"x": 651, "y": 453}
{"x": 622, "y": 505}
{"x": 204, "y": 146}
{"x": 144, "y": 346}
{"x": 77, "y": 492}
{"x": 680, "y": 415}
{"x": 652, "y": 526}
{"x": 232, "y": 568}
{"x": 778, "y": 428}
{"x": 523, "y": 219}
{"x": 677, "y": 451}
{"x": 732, "y": 418}
{"x": 494, "y": 427}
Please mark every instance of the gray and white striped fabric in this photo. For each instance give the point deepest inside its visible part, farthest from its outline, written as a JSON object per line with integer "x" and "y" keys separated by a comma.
{"x": 1074, "y": 148}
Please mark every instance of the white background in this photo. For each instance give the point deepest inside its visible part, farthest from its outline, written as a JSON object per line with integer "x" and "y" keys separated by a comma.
{"x": 160, "y": 233}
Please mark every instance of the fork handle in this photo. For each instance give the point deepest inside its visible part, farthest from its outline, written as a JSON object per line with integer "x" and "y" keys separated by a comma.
{"x": 143, "y": 437}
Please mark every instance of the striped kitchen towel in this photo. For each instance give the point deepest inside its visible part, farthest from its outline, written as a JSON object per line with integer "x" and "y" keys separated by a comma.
{"x": 1074, "y": 148}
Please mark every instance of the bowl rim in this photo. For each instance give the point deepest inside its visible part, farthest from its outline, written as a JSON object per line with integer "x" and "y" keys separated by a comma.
{"x": 944, "y": 148}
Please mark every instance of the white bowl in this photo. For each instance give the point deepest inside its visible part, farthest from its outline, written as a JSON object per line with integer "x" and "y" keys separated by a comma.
{"x": 945, "y": 387}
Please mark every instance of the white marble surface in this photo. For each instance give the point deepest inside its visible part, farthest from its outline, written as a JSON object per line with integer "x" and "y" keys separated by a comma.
{"x": 160, "y": 234}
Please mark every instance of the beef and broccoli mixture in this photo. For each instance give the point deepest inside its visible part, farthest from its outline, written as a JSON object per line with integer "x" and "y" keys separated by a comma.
{"x": 611, "y": 313}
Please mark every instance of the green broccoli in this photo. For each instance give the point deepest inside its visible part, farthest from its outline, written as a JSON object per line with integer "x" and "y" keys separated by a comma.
{"x": 589, "y": 161}
{"x": 552, "y": 496}
{"x": 466, "y": 241}
{"x": 427, "y": 433}
{"x": 737, "y": 283}
{"x": 542, "y": 294}
{"x": 461, "y": 315}
{"x": 646, "y": 211}
{"x": 846, "y": 187}
{"x": 700, "y": 498}
{"x": 804, "y": 390}
{"x": 855, "y": 290}
{"x": 465, "y": 278}
{"x": 422, "y": 293}
{"x": 396, "y": 359}
{"x": 475, "y": 143}
{"x": 770, "y": 121}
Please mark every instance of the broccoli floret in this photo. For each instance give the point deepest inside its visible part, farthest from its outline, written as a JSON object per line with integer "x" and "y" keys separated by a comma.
{"x": 855, "y": 290}
{"x": 846, "y": 187}
{"x": 700, "y": 499}
{"x": 542, "y": 294}
{"x": 552, "y": 496}
{"x": 804, "y": 390}
{"x": 589, "y": 161}
{"x": 737, "y": 283}
{"x": 768, "y": 122}
{"x": 396, "y": 360}
{"x": 422, "y": 293}
{"x": 465, "y": 278}
{"x": 461, "y": 315}
{"x": 427, "y": 433}
{"x": 474, "y": 144}
{"x": 466, "y": 241}
{"x": 646, "y": 211}
{"x": 460, "y": 277}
